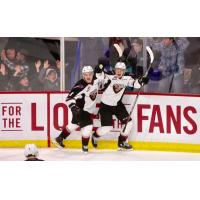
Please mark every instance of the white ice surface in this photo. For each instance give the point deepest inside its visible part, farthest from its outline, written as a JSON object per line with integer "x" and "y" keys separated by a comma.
{"x": 53, "y": 154}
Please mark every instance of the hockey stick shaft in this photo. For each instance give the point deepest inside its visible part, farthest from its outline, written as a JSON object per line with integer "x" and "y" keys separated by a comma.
{"x": 136, "y": 98}
{"x": 138, "y": 93}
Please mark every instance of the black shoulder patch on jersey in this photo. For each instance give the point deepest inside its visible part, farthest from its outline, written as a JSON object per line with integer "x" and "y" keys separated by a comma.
{"x": 106, "y": 85}
{"x": 80, "y": 84}
{"x": 110, "y": 72}
{"x": 78, "y": 87}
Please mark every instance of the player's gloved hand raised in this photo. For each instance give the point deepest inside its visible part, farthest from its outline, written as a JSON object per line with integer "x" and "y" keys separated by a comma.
{"x": 99, "y": 68}
{"x": 143, "y": 80}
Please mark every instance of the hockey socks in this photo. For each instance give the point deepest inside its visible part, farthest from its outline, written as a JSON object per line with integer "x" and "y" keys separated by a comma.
{"x": 85, "y": 141}
{"x": 64, "y": 134}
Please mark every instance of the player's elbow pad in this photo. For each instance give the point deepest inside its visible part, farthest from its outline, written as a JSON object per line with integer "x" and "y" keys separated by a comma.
{"x": 70, "y": 101}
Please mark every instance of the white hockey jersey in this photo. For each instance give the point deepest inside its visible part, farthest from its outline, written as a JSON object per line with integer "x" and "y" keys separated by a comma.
{"x": 84, "y": 95}
{"x": 115, "y": 88}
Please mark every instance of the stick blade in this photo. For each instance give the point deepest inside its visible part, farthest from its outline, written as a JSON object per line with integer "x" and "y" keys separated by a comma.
{"x": 150, "y": 53}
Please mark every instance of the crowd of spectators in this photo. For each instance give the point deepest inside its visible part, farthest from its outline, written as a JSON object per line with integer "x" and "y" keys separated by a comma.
{"x": 18, "y": 73}
{"x": 168, "y": 75}
{"x": 176, "y": 67}
{"x": 125, "y": 50}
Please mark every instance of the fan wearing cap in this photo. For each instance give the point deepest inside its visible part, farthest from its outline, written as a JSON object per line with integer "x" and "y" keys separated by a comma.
{"x": 111, "y": 104}
{"x": 19, "y": 80}
{"x": 31, "y": 153}
{"x": 23, "y": 83}
{"x": 82, "y": 102}
{"x": 49, "y": 77}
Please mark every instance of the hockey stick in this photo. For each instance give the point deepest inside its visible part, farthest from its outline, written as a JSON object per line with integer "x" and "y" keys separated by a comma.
{"x": 138, "y": 93}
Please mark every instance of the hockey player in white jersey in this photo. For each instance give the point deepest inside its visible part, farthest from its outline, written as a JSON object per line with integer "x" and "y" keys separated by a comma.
{"x": 111, "y": 104}
{"x": 82, "y": 102}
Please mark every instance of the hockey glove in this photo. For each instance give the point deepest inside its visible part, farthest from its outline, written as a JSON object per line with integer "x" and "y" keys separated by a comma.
{"x": 99, "y": 68}
{"x": 143, "y": 80}
{"x": 75, "y": 113}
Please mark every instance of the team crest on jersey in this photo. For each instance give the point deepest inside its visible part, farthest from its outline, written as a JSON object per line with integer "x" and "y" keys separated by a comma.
{"x": 118, "y": 87}
{"x": 93, "y": 95}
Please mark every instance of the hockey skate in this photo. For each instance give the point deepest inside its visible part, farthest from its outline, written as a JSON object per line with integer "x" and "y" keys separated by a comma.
{"x": 94, "y": 141}
{"x": 85, "y": 149}
{"x": 124, "y": 146}
{"x": 58, "y": 142}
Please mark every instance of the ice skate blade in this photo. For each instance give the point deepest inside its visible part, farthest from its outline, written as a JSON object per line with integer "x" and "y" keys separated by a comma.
{"x": 56, "y": 144}
{"x": 122, "y": 149}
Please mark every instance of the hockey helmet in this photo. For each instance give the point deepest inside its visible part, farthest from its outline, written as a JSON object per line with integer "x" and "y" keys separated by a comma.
{"x": 87, "y": 69}
{"x": 120, "y": 65}
{"x": 31, "y": 150}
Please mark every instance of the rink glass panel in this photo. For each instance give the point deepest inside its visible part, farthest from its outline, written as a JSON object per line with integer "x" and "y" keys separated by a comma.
{"x": 88, "y": 50}
{"x": 29, "y": 64}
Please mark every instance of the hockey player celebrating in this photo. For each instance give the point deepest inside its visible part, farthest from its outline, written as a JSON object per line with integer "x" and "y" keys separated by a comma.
{"x": 82, "y": 102}
{"x": 111, "y": 104}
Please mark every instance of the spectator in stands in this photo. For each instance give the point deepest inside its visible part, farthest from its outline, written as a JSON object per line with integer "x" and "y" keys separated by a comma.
{"x": 171, "y": 63}
{"x": 134, "y": 58}
{"x": 14, "y": 76}
{"x": 19, "y": 80}
{"x": 21, "y": 59}
{"x": 116, "y": 49}
{"x": 8, "y": 57}
{"x": 18, "y": 70}
{"x": 24, "y": 83}
{"x": 58, "y": 67}
{"x": 4, "y": 77}
{"x": 192, "y": 66}
{"x": 49, "y": 77}
{"x": 192, "y": 78}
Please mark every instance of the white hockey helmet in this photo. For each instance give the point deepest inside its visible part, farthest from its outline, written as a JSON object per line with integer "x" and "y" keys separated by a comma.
{"x": 31, "y": 150}
{"x": 87, "y": 69}
{"x": 120, "y": 65}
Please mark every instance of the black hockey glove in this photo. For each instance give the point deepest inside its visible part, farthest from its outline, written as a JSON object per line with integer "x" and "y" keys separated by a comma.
{"x": 75, "y": 110}
{"x": 99, "y": 68}
{"x": 143, "y": 80}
